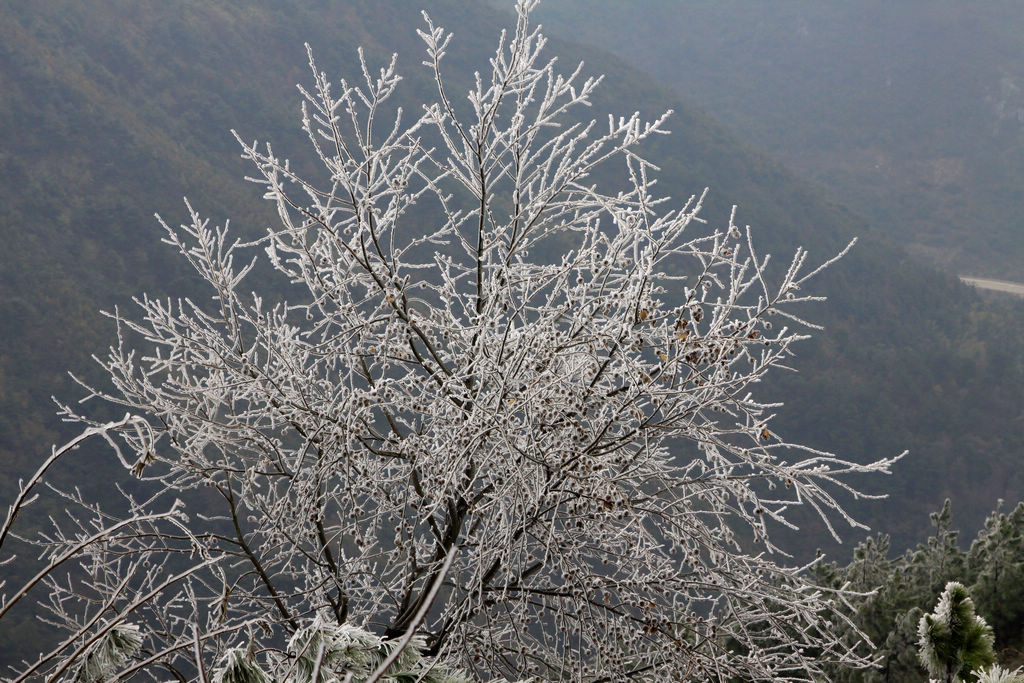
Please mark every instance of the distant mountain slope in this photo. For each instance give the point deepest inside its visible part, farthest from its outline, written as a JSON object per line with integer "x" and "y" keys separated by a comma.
{"x": 911, "y": 112}
{"x": 114, "y": 110}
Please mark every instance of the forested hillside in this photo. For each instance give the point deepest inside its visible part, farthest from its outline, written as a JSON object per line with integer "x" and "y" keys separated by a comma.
{"x": 910, "y": 112}
{"x": 114, "y": 111}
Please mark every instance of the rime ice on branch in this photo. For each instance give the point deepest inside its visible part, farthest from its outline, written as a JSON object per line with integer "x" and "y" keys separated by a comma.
{"x": 484, "y": 354}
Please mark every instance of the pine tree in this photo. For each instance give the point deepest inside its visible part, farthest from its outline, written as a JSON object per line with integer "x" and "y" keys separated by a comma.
{"x": 954, "y": 641}
{"x": 896, "y": 592}
{"x": 995, "y": 574}
{"x": 998, "y": 674}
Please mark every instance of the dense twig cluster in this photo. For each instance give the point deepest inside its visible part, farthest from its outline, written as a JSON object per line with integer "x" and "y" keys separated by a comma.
{"x": 484, "y": 357}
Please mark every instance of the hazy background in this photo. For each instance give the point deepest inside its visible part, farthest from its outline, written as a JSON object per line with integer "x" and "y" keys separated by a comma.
{"x": 910, "y": 112}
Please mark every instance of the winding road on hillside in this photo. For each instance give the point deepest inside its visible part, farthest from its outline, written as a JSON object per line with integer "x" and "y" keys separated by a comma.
{"x": 997, "y": 285}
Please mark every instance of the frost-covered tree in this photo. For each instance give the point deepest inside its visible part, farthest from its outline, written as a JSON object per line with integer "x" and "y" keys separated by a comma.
{"x": 899, "y": 590}
{"x": 323, "y": 652}
{"x": 995, "y": 574}
{"x": 481, "y": 372}
{"x": 997, "y": 674}
{"x": 955, "y": 643}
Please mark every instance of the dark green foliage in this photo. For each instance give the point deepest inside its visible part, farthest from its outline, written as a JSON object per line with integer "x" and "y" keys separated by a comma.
{"x": 995, "y": 570}
{"x": 954, "y": 642}
{"x": 909, "y": 585}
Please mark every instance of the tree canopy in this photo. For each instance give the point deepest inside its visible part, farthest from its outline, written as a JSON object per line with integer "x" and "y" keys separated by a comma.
{"x": 497, "y": 406}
